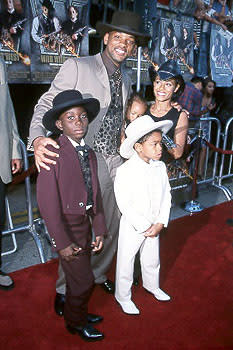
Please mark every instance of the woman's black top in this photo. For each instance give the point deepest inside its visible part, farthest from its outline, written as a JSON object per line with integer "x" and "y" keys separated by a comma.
{"x": 172, "y": 115}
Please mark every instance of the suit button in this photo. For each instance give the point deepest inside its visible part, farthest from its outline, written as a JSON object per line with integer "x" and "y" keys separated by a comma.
{"x": 81, "y": 204}
{"x": 53, "y": 242}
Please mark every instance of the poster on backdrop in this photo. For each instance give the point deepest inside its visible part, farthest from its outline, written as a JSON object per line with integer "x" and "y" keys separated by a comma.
{"x": 221, "y": 56}
{"x": 147, "y": 10}
{"x": 58, "y": 31}
{"x": 37, "y": 36}
{"x": 15, "y": 39}
{"x": 174, "y": 40}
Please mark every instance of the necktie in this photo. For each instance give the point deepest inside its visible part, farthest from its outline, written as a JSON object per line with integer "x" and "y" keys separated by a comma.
{"x": 86, "y": 170}
{"x": 83, "y": 149}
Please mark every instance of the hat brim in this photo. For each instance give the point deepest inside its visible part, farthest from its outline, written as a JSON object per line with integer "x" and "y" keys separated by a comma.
{"x": 48, "y": 5}
{"x": 164, "y": 75}
{"x": 91, "y": 105}
{"x": 141, "y": 38}
{"x": 127, "y": 147}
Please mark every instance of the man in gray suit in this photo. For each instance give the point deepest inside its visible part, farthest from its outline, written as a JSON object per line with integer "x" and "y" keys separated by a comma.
{"x": 98, "y": 76}
{"x": 10, "y": 156}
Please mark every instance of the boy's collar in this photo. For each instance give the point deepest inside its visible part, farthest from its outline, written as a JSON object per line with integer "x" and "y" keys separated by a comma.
{"x": 75, "y": 144}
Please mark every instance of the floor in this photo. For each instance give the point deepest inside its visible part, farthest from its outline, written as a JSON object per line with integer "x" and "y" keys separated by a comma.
{"x": 27, "y": 253}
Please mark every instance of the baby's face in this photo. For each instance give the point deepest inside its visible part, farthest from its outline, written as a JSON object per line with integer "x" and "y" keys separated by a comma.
{"x": 137, "y": 110}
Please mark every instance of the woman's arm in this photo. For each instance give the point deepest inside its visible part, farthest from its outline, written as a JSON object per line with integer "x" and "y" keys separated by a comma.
{"x": 180, "y": 136}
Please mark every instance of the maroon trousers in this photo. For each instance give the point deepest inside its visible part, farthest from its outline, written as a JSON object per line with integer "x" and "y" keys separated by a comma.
{"x": 78, "y": 272}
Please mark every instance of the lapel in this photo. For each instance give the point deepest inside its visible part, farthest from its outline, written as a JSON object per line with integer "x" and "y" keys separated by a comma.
{"x": 125, "y": 86}
{"x": 102, "y": 75}
{"x": 71, "y": 156}
{"x": 101, "y": 72}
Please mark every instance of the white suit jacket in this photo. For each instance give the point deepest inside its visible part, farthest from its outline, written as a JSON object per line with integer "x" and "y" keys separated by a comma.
{"x": 89, "y": 76}
{"x": 142, "y": 192}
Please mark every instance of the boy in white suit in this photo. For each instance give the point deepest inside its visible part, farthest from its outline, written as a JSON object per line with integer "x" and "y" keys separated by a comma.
{"x": 143, "y": 195}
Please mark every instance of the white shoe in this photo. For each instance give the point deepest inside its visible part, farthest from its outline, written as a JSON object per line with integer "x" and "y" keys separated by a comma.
{"x": 129, "y": 308}
{"x": 161, "y": 295}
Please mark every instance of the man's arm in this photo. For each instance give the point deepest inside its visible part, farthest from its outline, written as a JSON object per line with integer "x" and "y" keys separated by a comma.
{"x": 56, "y": 24}
{"x": 196, "y": 106}
{"x": 65, "y": 79}
{"x": 214, "y": 21}
{"x": 162, "y": 50}
{"x": 34, "y": 32}
{"x": 16, "y": 150}
{"x": 16, "y": 162}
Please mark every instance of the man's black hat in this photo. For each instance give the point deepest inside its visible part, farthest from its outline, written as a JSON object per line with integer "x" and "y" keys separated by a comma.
{"x": 65, "y": 100}
{"x": 126, "y": 22}
{"x": 47, "y": 4}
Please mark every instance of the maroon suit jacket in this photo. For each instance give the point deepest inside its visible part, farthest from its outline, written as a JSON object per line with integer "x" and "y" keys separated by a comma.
{"x": 61, "y": 192}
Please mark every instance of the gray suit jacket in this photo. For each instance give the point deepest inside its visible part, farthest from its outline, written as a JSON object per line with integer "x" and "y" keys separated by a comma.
{"x": 89, "y": 76}
{"x": 9, "y": 137}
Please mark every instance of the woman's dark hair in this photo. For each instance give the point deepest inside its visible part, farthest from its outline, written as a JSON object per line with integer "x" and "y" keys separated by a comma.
{"x": 196, "y": 79}
{"x": 208, "y": 80}
{"x": 170, "y": 26}
{"x": 178, "y": 78}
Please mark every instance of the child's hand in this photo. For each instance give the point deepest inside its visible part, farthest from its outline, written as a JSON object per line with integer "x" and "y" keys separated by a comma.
{"x": 16, "y": 165}
{"x": 211, "y": 106}
{"x": 97, "y": 244}
{"x": 69, "y": 253}
{"x": 154, "y": 230}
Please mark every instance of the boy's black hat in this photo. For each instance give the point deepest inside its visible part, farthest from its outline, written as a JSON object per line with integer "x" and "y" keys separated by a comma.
{"x": 65, "y": 100}
{"x": 126, "y": 22}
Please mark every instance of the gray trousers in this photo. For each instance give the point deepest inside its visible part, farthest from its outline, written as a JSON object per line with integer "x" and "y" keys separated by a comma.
{"x": 101, "y": 261}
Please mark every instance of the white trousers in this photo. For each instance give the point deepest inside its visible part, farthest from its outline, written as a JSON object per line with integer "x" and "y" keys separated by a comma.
{"x": 129, "y": 242}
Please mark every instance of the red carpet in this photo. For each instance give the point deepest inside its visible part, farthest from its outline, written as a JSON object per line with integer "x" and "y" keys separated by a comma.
{"x": 197, "y": 271}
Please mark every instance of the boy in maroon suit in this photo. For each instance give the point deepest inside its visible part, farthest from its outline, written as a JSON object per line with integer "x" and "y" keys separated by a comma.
{"x": 69, "y": 200}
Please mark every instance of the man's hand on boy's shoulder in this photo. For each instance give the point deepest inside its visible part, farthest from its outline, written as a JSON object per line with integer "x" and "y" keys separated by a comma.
{"x": 153, "y": 230}
{"x": 41, "y": 152}
{"x": 69, "y": 253}
{"x": 97, "y": 244}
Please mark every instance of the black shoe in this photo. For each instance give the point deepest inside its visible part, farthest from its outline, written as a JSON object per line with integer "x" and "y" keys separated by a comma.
{"x": 108, "y": 286}
{"x": 136, "y": 281}
{"x": 88, "y": 333}
{"x": 6, "y": 282}
{"x": 91, "y": 318}
{"x": 59, "y": 304}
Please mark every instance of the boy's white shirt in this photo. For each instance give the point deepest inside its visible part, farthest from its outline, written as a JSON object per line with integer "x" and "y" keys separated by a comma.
{"x": 142, "y": 192}
{"x": 75, "y": 144}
